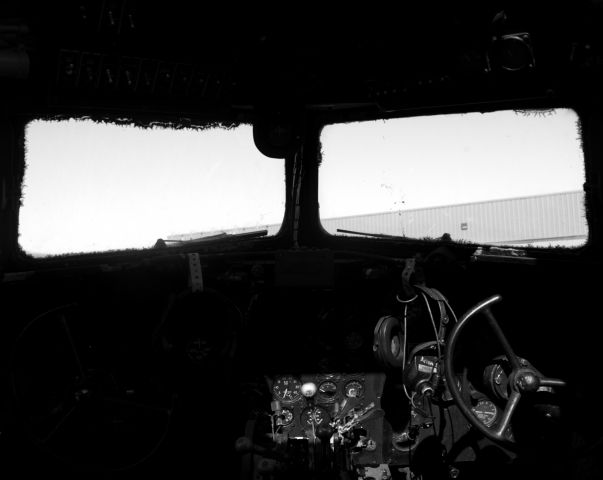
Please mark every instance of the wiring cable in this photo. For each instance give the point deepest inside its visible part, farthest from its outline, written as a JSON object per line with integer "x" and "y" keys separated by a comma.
{"x": 435, "y": 328}
{"x": 406, "y": 301}
{"x": 456, "y": 320}
{"x": 408, "y": 396}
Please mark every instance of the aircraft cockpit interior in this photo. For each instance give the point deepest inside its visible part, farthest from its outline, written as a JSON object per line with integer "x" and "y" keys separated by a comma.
{"x": 261, "y": 243}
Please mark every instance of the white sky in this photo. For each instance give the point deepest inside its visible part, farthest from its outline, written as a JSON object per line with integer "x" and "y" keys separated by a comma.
{"x": 92, "y": 187}
{"x": 407, "y": 163}
{"x": 95, "y": 187}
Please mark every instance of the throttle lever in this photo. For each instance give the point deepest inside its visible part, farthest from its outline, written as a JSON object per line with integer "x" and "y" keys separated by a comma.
{"x": 360, "y": 416}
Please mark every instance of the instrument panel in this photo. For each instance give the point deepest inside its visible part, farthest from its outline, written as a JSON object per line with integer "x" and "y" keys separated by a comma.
{"x": 334, "y": 394}
{"x": 330, "y": 387}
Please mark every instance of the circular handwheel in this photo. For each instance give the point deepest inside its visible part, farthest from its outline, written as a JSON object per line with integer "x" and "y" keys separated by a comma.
{"x": 523, "y": 378}
{"x": 72, "y": 398}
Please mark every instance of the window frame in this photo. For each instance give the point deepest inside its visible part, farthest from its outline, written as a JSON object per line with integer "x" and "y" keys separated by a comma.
{"x": 14, "y": 258}
{"x": 588, "y": 117}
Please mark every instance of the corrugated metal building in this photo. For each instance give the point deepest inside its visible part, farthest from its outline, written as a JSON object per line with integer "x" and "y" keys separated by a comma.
{"x": 553, "y": 219}
{"x": 542, "y": 219}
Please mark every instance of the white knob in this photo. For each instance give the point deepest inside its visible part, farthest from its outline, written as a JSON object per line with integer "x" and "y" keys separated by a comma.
{"x": 309, "y": 389}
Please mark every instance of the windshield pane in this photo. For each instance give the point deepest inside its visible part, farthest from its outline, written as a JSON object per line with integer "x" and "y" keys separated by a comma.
{"x": 503, "y": 178}
{"x": 92, "y": 187}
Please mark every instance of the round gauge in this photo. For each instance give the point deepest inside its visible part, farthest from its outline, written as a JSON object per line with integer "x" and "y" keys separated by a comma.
{"x": 486, "y": 412}
{"x": 327, "y": 390}
{"x": 316, "y": 416}
{"x": 285, "y": 418}
{"x": 354, "y": 389}
{"x": 287, "y": 389}
{"x": 496, "y": 380}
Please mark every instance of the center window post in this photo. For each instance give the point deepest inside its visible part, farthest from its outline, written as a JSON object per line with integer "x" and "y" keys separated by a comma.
{"x": 310, "y": 227}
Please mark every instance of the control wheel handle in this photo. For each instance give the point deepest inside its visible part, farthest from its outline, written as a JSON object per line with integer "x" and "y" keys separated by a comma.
{"x": 522, "y": 379}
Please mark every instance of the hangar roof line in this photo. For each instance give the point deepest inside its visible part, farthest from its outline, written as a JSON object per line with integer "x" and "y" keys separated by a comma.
{"x": 549, "y": 219}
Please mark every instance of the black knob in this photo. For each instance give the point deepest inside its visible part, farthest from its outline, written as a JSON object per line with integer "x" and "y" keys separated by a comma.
{"x": 527, "y": 381}
{"x": 324, "y": 432}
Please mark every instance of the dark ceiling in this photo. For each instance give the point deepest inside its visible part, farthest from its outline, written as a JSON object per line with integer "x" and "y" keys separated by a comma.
{"x": 188, "y": 56}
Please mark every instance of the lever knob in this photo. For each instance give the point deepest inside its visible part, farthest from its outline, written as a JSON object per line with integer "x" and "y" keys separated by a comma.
{"x": 324, "y": 431}
{"x": 309, "y": 389}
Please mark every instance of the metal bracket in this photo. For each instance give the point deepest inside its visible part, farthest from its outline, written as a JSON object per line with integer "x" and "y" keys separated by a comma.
{"x": 195, "y": 280}
{"x": 438, "y": 297}
{"x": 409, "y": 268}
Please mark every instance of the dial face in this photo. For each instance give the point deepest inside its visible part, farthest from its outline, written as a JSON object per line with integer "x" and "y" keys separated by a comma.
{"x": 496, "y": 381}
{"x": 287, "y": 389}
{"x": 486, "y": 412}
{"x": 314, "y": 416}
{"x": 354, "y": 389}
{"x": 285, "y": 418}
{"x": 327, "y": 391}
